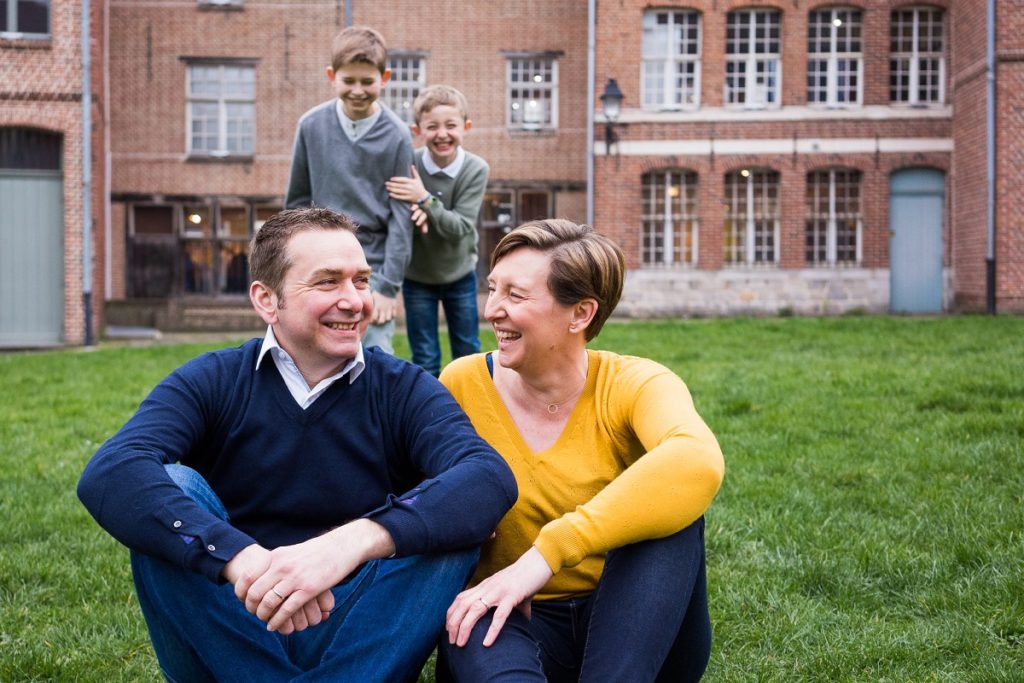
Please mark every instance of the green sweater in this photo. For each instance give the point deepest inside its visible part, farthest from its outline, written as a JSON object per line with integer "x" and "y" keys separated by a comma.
{"x": 449, "y": 249}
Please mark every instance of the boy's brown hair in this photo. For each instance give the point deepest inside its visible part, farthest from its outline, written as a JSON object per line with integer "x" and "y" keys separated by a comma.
{"x": 437, "y": 96}
{"x": 359, "y": 44}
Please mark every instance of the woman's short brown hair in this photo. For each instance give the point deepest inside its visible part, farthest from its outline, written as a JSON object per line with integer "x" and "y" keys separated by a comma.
{"x": 584, "y": 263}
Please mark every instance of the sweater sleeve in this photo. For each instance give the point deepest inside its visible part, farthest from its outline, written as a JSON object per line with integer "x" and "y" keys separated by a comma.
{"x": 455, "y": 223}
{"x": 398, "y": 243}
{"x": 300, "y": 190}
{"x": 665, "y": 490}
{"x": 127, "y": 490}
{"x": 468, "y": 487}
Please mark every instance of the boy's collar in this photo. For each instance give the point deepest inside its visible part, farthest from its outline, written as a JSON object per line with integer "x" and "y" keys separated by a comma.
{"x": 451, "y": 170}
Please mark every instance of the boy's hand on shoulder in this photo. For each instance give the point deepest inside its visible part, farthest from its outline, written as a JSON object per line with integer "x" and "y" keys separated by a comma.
{"x": 409, "y": 190}
{"x": 384, "y": 308}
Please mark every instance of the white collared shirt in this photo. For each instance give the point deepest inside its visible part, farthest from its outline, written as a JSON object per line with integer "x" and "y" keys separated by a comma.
{"x": 451, "y": 170}
{"x": 353, "y": 128}
{"x": 293, "y": 378}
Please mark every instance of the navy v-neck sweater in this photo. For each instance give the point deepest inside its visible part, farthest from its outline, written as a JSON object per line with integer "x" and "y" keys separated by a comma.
{"x": 392, "y": 446}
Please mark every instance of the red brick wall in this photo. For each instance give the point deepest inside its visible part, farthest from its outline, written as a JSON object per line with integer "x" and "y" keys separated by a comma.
{"x": 41, "y": 87}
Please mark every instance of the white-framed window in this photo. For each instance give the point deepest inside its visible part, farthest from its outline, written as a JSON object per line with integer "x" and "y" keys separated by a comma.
{"x": 834, "y": 220}
{"x": 752, "y": 217}
{"x": 835, "y": 61}
{"x": 670, "y": 223}
{"x": 25, "y": 18}
{"x": 753, "y": 65}
{"x": 408, "y": 78}
{"x": 221, "y": 109}
{"x": 532, "y": 92}
{"x": 917, "y": 62}
{"x": 671, "y": 59}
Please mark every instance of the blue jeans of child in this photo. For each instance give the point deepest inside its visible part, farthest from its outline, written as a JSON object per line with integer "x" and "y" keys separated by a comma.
{"x": 458, "y": 299}
{"x": 385, "y": 622}
{"x": 647, "y": 620}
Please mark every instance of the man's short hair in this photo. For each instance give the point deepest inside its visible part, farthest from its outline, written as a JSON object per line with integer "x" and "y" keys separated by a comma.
{"x": 268, "y": 250}
{"x": 584, "y": 263}
{"x": 437, "y": 96}
{"x": 359, "y": 44}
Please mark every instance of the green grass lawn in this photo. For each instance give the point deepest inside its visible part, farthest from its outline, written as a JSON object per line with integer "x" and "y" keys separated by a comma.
{"x": 870, "y": 528}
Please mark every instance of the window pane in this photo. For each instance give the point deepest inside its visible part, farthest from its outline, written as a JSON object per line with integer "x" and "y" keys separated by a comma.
{"x": 234, "y": 221}
{"x": 197, "y": 267}
{"x": 33, "y": 16}
{"x": 197, "y": 221}
{"x": 233, "y": 277}
{"x": 30, "y": 149}
{"x": 154, "y": 220}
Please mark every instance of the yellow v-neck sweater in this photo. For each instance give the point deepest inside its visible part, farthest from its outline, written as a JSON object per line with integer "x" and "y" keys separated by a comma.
{"x": 635, "y": 461}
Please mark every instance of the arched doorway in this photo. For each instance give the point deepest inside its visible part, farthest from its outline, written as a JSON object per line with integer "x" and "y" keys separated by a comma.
{"x": 31, "y": 238}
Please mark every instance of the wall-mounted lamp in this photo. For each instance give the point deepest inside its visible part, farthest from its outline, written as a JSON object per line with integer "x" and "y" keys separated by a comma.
{"x": 611, "y": 107}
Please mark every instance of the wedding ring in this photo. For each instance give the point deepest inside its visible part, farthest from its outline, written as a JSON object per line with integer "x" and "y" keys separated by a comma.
{"x": 274, "y": 591}
{"x": 486, "y": 606}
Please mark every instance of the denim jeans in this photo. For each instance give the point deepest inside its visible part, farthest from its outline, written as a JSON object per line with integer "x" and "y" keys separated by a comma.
{"x": 385, "y": 622}
{"x": 647, "y": 620}
{"x": 380, "y": 335}
{"x": 458, "y": 299}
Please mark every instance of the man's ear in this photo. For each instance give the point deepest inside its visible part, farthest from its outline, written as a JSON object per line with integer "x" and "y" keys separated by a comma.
{"x": 264, "y": 301}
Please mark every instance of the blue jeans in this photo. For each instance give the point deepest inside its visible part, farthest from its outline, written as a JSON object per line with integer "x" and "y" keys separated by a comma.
{"x": 385, "y": 622}
{"x": 459, "y": 302}
{"x": 380, "y": 335}
{"x": 647, "y": 620}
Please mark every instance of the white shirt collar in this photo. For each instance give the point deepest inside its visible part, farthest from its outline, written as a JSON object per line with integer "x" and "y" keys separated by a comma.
{"x": 451, "y": 170}
{"x": 293, "y": 378}
{"x": 356, "y": 129}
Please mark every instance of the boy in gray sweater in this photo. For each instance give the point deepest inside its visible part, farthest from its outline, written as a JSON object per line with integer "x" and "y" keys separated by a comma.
{"x": 345, "y": 150}
{"x": 445, "y": 193}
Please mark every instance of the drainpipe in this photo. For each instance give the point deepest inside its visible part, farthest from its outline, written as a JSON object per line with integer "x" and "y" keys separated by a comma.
{"x": 348, "y": 13}
{"x": 86, "y": 174}
{"x": 990, "y": 251}
{"x": 591, "y": 41}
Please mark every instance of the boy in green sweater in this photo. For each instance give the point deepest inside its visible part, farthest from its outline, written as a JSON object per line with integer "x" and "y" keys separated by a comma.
{"x": 445, "y": 193}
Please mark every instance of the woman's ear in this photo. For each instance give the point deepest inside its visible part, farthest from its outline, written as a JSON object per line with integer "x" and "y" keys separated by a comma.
{"x": 582, "y": 314}
{"x": 264, "y": 301}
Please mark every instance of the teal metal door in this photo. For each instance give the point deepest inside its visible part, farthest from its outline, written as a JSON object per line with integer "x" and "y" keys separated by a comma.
{"x": 916, "y": 201}
{"x": 31, "y": 258}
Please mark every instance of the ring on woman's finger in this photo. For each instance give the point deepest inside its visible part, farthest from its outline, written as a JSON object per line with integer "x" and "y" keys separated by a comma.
{"x": 274, "y": 591}
{"x": 486, "y": 606}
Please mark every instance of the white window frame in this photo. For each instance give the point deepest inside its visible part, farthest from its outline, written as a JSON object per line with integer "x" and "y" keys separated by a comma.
{"x": 223, "y": 100}
{"x": 667, "y": 66}
{"x": 832, "y": 217}
{"x": 401, "y": 92}
{"x": 12, "y": 21}
{"x": 675, "y": 190}
{"x": 744, "y": 204}
{"x": 851, "y": 17}
{"x": 755, "y": 90}
{"x": 542, "y": 64}
{"x": 911, "y": 62}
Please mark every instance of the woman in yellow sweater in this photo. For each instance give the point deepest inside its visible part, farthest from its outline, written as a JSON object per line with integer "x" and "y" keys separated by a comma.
{"x": 597, "y": 573}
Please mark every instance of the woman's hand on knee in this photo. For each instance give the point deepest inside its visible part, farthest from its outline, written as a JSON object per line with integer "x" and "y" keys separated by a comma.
{"x": 511, "y": 588}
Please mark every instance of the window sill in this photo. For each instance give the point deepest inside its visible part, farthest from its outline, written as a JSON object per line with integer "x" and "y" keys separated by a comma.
{"x": 19, "y": 41}
{"x": 538, "y": 133}
{"x": 220, "y": 6}
{"x": 215, "y": 159}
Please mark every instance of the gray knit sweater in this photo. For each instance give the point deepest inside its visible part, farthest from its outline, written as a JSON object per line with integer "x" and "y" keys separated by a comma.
{"x": 331, "y": 171}
{"x": 449, "y": 249}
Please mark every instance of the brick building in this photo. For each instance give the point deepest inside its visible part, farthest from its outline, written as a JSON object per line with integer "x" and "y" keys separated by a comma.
{"x": 770, "y": 156}
{"x": 47, "y": 277}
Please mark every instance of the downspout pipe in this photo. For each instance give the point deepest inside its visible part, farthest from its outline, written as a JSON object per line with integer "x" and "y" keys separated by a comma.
{"x": 591, "y": 43}
{"x": 990, "y": 221}
{"x": 87, "y": 172}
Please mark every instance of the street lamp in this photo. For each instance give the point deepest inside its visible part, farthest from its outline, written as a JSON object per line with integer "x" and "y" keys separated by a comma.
{"x": 611, "y": 107}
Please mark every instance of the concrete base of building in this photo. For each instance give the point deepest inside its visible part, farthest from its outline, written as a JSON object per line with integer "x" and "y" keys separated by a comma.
{"x": 659, "y": 293}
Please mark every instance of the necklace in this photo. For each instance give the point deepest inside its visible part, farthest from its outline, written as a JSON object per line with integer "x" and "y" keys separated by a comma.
{"x": 553, "y": 407}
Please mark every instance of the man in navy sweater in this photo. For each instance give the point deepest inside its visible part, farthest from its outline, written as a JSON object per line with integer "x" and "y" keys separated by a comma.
{"x": 299, "y": 507}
